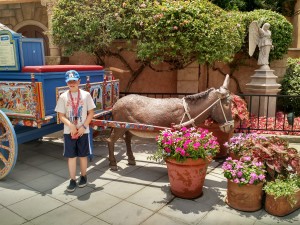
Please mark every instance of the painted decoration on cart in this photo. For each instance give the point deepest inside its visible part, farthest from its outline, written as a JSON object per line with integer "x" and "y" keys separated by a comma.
{"x": 96, "y": 91}
{"x": 116, "y": 91}
{"x": 104, "y": 94}
{"x": 22, "y": 99}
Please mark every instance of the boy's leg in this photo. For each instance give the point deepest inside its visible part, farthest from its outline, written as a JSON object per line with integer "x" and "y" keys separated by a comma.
{"x": 72, "y": 172}
{"x": 83, "y": 165}
{"x": 72, "y": 167}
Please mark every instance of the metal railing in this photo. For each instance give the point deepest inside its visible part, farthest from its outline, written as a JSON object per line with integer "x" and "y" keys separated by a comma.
{"x": 268, "y": 113}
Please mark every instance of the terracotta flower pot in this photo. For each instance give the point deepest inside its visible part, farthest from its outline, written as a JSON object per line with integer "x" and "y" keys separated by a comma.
{"x": 246, "y": 197}
{"x": 281, "y": 206}
{"x": 187, "y": 178}
{"x": 221, "y": 136}
{"x": 234, "y": 156}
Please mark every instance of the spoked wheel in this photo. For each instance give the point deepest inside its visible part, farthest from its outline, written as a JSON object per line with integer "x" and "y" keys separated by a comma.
{"x": 8, "y": 146}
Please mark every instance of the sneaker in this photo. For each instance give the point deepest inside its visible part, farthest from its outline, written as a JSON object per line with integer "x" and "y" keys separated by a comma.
{"x": 71, "y": 186}
{"x": 82, "y": 181}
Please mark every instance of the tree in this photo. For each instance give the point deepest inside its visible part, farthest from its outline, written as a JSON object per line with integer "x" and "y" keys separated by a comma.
{"x": 284, "y": 7}
{"x": 175, "y": 32}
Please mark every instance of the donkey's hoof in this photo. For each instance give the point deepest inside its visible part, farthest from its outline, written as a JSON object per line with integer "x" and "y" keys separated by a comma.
{"x": 131, "y": 162}
{"x": 113, "y": 168}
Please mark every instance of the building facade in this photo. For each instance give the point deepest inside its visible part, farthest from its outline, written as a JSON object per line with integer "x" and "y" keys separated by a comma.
{"x": 32, "y": 18}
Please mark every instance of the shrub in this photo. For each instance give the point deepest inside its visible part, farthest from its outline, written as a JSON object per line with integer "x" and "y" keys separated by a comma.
{"x": 291, "y": 86}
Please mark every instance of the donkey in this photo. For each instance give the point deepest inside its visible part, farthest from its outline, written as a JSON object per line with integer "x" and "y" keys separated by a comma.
{"x": 192, "y": 109}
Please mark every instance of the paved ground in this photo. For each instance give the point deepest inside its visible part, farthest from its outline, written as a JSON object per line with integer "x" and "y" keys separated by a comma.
{"x": 34, "y": 193}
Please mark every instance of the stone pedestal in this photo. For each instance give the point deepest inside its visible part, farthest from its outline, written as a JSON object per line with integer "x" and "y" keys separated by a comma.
{"x": 263, "y": 82}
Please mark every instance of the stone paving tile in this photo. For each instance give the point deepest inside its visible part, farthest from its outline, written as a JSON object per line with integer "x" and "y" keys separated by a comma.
{"x": 35, "y": 206}
{"x": 24, "y": 173}
{"x": 46, "y": 182}
{"x": 7, "y": 182}
{"x": 27, "y": 223}
{"x": 266, "y": 218}
{"x": 65, "y": 173}
{"x": 95, "y": 202}
{"x": 7, "y": 217}
{"x": 145, "y": 175}
{"x": 162, "y": 220}
{"x": 222, "y": 206}
{"x": 53, "y": 165}
{"x": 98, "y": 178}
{"x": 63, "y": 215}
{"x": 185, "y": 210}
{"x": 15, "y": 194}
{"x": 153, "y": 198}
{"x": 95, "y": 221}
{"x": 122, "y": 188}
{"x": 221, "y": 217}
{"x": 38, "y": 159}
{"x": 125, "y": 213}
{"x": 60, "y": 193}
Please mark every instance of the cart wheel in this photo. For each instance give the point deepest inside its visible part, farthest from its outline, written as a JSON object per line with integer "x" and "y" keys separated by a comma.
{"x": 8, "y": 146}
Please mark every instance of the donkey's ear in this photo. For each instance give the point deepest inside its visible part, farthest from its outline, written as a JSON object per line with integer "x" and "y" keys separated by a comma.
{"x": 226, "y": 81}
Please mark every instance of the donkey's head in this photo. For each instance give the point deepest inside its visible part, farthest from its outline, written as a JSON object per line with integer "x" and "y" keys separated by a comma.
{"x": 221, "y": 112}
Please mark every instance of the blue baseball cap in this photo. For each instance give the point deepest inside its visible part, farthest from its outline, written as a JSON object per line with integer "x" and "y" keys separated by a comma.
{"x": 72, "y": 75}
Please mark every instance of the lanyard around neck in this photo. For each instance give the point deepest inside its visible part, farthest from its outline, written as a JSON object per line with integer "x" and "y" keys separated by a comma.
{"x": 75, "y": 106}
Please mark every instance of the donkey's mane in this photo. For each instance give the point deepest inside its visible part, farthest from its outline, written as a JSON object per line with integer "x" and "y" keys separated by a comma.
{"x": 199, "y": 95}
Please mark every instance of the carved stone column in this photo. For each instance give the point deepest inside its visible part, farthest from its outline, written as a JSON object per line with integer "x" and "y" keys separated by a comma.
{"x": 55, "y": 53}
{"x": 296, "y": 23}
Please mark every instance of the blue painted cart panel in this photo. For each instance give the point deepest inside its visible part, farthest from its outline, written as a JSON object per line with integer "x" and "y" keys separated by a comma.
{"x": 51, "y": 80}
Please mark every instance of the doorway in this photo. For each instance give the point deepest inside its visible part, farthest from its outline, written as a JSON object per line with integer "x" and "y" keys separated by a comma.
{"x": 31, "y": 31}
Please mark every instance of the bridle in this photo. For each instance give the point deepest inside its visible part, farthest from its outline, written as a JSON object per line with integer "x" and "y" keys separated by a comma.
{"x": 227, "y": 123}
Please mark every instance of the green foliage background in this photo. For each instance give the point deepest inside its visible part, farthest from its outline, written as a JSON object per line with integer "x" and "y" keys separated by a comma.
{"x": 291, "y": 86}
{"x": 175, "y": 32}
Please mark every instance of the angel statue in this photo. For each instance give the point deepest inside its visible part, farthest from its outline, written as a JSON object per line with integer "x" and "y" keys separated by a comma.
{"x": 262, "y": 38}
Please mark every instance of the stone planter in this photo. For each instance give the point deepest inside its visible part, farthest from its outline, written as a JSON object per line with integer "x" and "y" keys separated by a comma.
{"x": 246, "y": 197}
{"x": 281, "y": 206}
{"x": 187, "y": 178}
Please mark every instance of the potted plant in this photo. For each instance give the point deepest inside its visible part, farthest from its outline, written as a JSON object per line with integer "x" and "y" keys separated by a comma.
{"x": 245, "y": 179}
{"x": 282, "y": 196}
{"x": 240, "y": 115}
{"x": 187, "y": 153}
{"x": 279, "y": 159}
{"x": 242, "y": 144}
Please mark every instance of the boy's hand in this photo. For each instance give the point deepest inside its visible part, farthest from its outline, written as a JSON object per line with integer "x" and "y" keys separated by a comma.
{"x": 73, "y": 129}
{"x": 81, "y": 131}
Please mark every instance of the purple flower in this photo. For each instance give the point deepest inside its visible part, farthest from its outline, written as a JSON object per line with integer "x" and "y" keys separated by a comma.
{"x": 261, "y": 177}
{"x": 239, "y": 174}
{"x": 236, "y": 181}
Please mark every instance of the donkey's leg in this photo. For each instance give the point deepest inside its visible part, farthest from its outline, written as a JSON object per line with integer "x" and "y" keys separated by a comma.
{"x": 115, "y": 134}
{"x": 131, "y": 159}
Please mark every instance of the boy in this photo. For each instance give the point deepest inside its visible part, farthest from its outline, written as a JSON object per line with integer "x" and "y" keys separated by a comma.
{"x": 75, "y": 109}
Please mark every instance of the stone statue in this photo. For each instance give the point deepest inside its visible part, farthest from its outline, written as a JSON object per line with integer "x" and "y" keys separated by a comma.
{"x": 262, "y": 38}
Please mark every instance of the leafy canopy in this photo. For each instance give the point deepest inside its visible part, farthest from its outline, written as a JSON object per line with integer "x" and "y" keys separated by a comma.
{"x": 176, "y": 32}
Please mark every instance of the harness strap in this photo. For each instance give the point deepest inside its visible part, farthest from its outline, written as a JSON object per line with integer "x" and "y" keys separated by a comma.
{"x": 192, "y": 121}
{"x": 223, "y": 112}
{"x": 186, "y": 112}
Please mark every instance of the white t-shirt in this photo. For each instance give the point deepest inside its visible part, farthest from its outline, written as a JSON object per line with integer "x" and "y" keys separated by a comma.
{"x": 64, "y": 105}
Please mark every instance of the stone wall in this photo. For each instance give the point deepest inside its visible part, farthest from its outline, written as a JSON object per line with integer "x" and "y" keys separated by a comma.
{"x": 13, "y": 14}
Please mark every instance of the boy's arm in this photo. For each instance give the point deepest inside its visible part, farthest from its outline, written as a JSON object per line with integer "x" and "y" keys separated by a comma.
{"x": 90, "y": 115}
{"x": 68, "y": 123}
